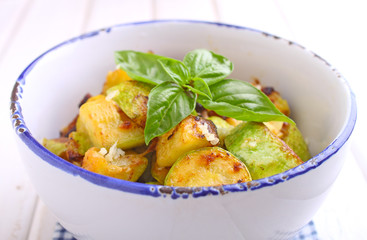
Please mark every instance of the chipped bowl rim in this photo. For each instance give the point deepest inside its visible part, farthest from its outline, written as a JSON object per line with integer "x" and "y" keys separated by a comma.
{"x": 20, "y": 127}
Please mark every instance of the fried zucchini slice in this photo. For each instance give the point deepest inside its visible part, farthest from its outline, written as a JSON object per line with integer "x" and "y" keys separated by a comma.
{"x": 223, "y": 127}
{"x": 132, "y": 97}
{"x": 104, "y": 123}
{"x": 292, "y": 136}
{"x": 275, "y": 127}
{"x": 114, "y": 78}
{"x": 66, "y": 148}
{"x": 263, "y": 153}
{"x": 233, "y": 122}
{"x": 57, "y": 146}
{"x": 115, "y": 163}
{"x": 191, "y": 133}
{"x": 280, "y": 103}
{"x": 159, "y": 173}
{"x": 154, "y": 183}
{"x": 210, "y": 166}
{"x": 82, "y": 140}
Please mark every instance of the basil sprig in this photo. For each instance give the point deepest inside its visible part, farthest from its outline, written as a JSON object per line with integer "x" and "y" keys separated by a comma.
{"x": 200, "y": 77}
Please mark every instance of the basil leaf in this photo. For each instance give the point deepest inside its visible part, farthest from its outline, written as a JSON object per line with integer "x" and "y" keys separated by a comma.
{"x": 242, "y": 101}
{"x": 142, "y": 66}
{"x": 202, "y": 86}
{"x": 176, "y": 70}
{"x": 168, "y": 105}
{"x": 207, "y": 65}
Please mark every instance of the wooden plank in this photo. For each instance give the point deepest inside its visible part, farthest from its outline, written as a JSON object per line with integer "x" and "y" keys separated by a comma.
{"x": 333, "y": 29}
{"x": 189, "y": 9}
{"x": 262, "y": 15}
{"x": 43, "y": 223}
{"x": 38, "y": 28}
{"x": 342, "y": 212}
{"x": 108, "y": 13}
{"x": 315, "y": 23}
{"x": 11, "y": 15}
{"x": 17, "y": 198}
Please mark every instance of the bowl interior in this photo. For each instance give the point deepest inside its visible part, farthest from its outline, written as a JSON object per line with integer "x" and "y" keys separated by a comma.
{"x": 319, "y": 98}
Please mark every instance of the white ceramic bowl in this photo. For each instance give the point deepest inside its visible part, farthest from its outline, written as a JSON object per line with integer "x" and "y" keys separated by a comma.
{"x": 92, "y": 206}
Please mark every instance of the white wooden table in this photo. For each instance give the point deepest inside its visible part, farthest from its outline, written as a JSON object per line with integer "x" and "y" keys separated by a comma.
{"x": 336, "y": 30}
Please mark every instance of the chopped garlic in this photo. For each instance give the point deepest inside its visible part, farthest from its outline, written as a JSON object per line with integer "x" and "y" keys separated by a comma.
{"x": 114, "y": 153}
{"x": 211, "y": 137}
{"x": 103, "y": 151}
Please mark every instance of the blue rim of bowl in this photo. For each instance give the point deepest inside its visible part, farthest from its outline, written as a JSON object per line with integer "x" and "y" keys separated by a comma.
{"x": 19, "y": 125}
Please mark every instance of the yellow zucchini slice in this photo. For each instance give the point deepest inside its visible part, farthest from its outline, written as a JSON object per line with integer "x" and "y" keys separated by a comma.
{"x": 275, "y": 127}
{"x": 115, "y": 163}
{"x": 210, "y": 166}
{"x": 280, "y": 103}
{"x": 191, "y": 133}
{"x": 114, "y": 78}
{"x": 159, "y": 173}
{"x": 104, "y": 123}
{"x": 233, "y": 122}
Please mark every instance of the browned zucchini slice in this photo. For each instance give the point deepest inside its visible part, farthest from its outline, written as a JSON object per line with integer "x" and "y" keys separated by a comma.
{"x": 210, "y": 166}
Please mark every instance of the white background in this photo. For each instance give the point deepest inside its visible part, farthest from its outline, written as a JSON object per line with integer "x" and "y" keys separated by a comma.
{"x": 336, "y": 30}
